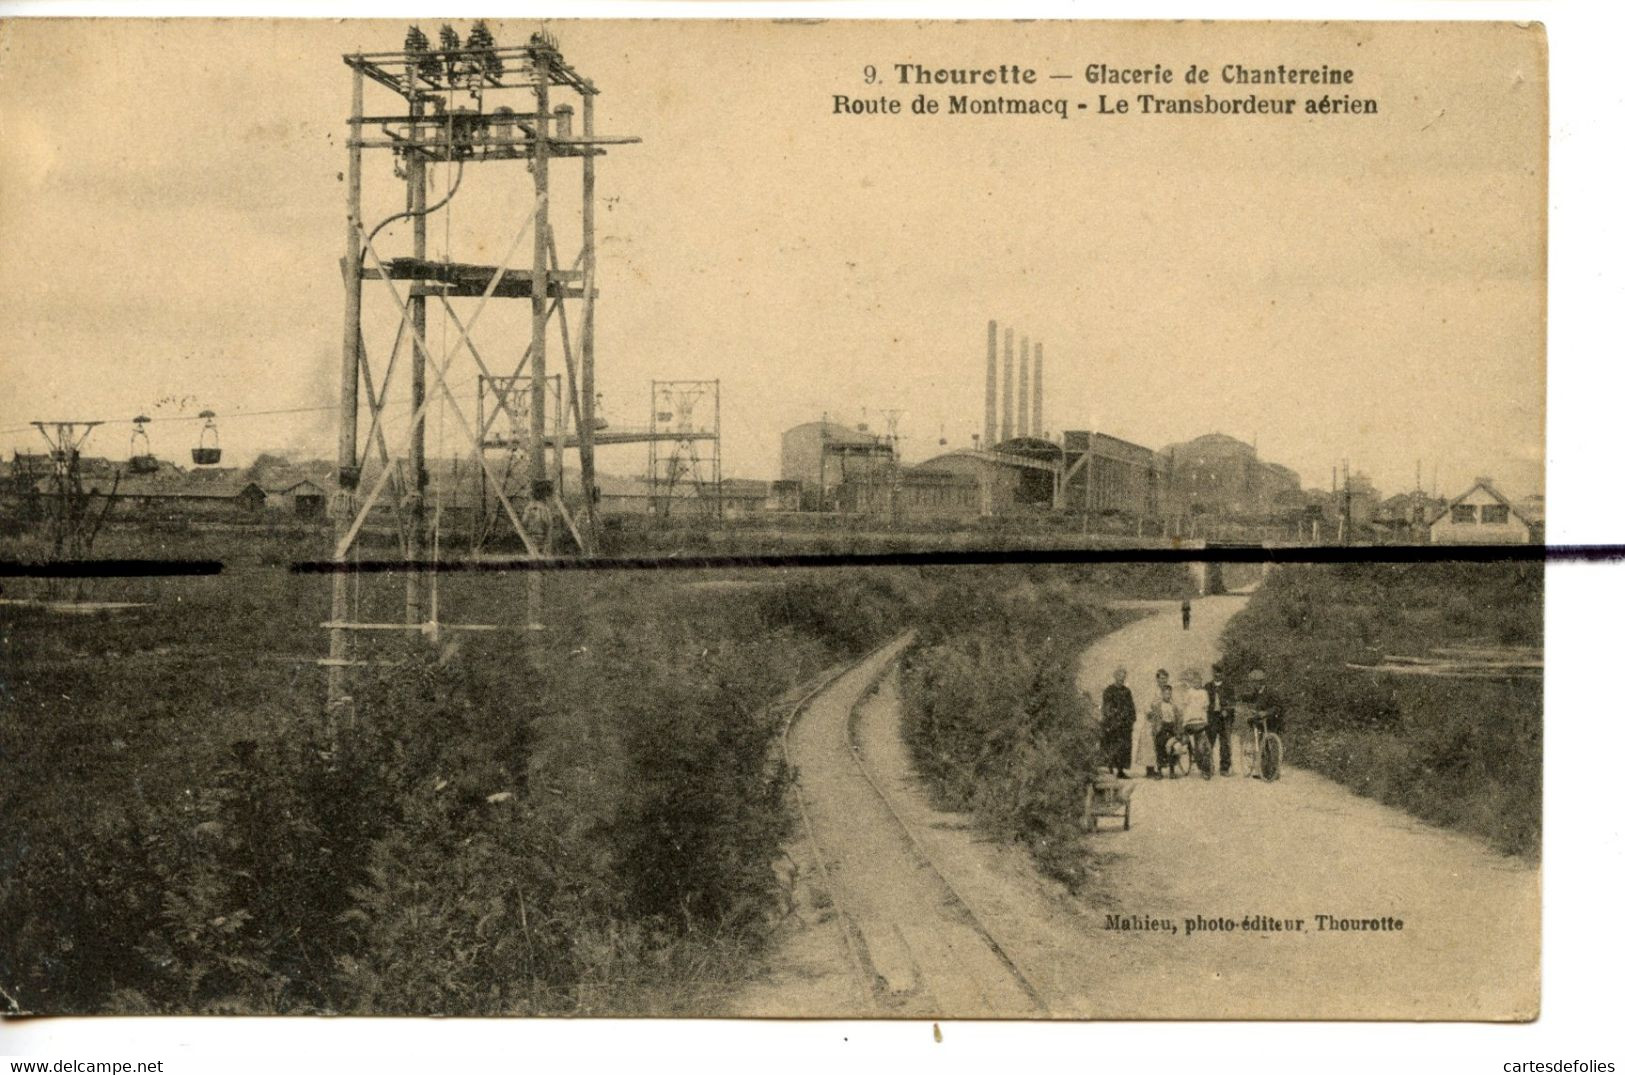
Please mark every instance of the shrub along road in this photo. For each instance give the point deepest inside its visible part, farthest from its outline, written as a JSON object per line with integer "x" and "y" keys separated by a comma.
{"x": 1223, "y": 851}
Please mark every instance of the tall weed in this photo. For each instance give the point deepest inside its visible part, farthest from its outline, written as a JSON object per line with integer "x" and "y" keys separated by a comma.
{"x": 1459, "y": 752}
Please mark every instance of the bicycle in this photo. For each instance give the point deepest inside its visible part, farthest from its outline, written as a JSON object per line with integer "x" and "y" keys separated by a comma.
{"x": 1261, "y": 748}
{"x": 1189, "y": 747}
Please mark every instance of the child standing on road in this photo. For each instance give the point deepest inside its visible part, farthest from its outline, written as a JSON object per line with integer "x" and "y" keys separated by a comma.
{"x": 1165, "y": 718}
{"x": 1147, "y": 747}
{"x": 1194, "y": 702}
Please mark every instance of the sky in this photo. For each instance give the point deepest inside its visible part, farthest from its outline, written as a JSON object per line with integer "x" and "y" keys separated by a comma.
{"x": 1361, "y": 288}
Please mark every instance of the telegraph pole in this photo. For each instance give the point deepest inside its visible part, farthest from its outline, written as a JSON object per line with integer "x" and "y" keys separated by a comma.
{"x": 416, "y": 303}
{"x": 541, "y": 488}
{"x": 1007, "y": 416}
{"x": 339, "y": 647}
{"x": 588, "y": 428}
{"x": 1348, "y": 507}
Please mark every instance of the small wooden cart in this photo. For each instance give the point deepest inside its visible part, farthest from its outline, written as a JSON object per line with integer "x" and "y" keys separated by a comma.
{"x": 1106, "y": 796}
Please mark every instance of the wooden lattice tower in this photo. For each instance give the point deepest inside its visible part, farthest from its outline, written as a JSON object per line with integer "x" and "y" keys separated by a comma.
{"x": 686, "y": 416}
{"x": 71, "y": 528}
{"x": 462, "y": 104}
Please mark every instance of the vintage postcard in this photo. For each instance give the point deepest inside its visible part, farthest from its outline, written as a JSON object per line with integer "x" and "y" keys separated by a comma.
{"x": 1016, "y": 520}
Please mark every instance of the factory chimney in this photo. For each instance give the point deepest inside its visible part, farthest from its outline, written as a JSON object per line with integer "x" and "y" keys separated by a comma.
{"x": 990, "y": 420}
{"x": 1022, "y": 411}
{"x": 1006, "y": 415}
{"x": 1038, "y": 389}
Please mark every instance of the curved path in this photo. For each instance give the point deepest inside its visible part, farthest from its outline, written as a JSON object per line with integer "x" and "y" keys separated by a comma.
{"x": 1289, "y": 851}
{"x": 1226, "y": 849}
{"x": 918, "y": 948}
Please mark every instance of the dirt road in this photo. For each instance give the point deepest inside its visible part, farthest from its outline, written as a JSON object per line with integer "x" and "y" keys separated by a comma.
{"x": 1162, "y": 930}
{"x": 1304, "y": 846}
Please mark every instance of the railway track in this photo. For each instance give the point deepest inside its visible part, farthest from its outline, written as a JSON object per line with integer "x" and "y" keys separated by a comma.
{"x": 915, "y": 945}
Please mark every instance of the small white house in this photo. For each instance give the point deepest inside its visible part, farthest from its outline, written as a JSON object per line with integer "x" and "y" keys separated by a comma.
{"x": 1480, "y": 516}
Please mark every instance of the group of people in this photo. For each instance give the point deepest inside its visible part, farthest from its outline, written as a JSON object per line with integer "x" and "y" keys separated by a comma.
{"x": 1130, "y": 738}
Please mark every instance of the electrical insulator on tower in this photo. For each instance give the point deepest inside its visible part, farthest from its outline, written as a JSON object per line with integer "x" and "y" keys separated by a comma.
{"x": 426, "y": 63}
{"x": 485, "y": 54}
{"x": 544, "y": 50}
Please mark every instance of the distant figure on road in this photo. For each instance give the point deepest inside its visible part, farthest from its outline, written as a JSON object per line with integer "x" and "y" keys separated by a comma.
{"x": 1185, "y": 613}
{"x": 1221, "y": 701}
{"x": 1117, "y": 722}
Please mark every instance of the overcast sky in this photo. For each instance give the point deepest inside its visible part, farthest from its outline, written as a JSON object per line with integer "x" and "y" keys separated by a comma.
{"x": 1360, "y": 287}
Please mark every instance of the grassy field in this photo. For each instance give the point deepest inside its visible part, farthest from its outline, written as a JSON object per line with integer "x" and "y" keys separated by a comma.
{"x": 583, "y": 820}
{"x": 1459, "y": 752}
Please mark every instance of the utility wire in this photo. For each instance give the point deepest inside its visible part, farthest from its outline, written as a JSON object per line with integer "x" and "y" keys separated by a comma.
{"x": 187, "y": 417}
{"x": 218, "y": 414}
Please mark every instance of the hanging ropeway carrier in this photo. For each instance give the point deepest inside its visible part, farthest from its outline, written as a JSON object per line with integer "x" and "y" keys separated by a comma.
{"x": 207, "y": 452}
{"x": 142, "y": 461}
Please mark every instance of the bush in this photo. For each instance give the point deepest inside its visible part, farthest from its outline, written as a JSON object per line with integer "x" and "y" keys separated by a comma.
{"x": 77, "y": 903}
{"x": 993, "y": 716}
{"x": 1459, "y": 752}
{"x": 695, "y": 838}
{"x": 492, "y": 833}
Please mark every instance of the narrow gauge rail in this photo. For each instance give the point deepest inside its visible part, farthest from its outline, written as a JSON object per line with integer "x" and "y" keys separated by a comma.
{"x": 914, "y": 944}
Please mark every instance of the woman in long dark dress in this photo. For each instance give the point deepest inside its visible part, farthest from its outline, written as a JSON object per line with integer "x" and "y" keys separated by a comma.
{"x": 1117, "y": 722}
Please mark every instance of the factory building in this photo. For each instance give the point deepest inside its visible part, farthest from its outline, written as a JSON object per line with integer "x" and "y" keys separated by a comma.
{"x": 987, "y": 487}
{"x": 1090, "y": 475}
{"x": 1217, "y": 474}
{"x": 1032, "y": 463}
{"x": 822, "y": 456}
{"x": 916, "y": 494}
{"x": 1015, "y": 467}
{"x": 1107, "y": 475}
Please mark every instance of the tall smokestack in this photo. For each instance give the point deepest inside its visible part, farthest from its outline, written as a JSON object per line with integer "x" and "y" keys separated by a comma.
{"x": 990, "y": 419}
{"x": 1038, "y": 389}
{"x": 1009, "y": 383}
{"x": 1022, "y": 413}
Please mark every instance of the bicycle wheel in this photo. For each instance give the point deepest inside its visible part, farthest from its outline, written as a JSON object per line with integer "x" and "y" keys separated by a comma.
{"x": 1270, "y": 759}
{"x": 1180, "y": 751}
{"x": 1249, "y": 750}
{"x": 1202, "y": 751}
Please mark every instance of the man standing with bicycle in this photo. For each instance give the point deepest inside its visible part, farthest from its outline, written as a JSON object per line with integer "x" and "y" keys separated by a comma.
{"x": 1266, "y": 717}
{"x": 1221, "y": 713}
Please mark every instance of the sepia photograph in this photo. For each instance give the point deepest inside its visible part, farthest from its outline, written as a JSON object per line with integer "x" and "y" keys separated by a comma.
{"x": 786, "y": 519}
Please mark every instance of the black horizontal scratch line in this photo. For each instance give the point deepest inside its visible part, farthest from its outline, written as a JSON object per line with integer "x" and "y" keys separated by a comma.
{"x": 1218, "y": 554}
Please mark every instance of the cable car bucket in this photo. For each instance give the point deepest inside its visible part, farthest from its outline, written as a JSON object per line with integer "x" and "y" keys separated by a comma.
{"x": 207, "y": 452}
{"x": 142, "y": 461}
